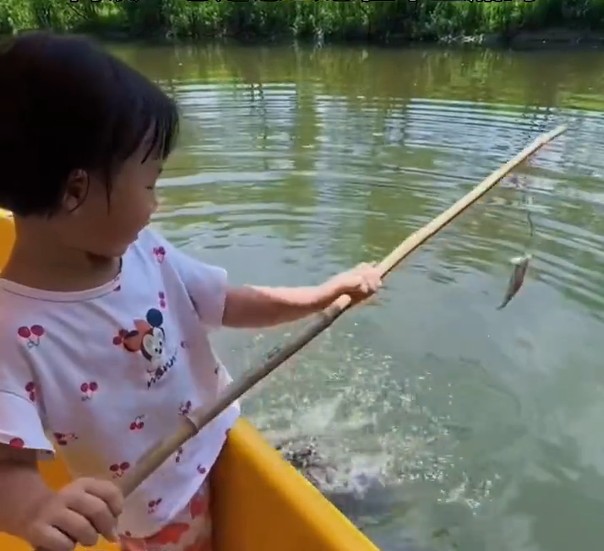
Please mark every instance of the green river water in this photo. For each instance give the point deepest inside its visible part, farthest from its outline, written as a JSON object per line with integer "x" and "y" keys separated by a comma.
{"x": 484, "y": 426}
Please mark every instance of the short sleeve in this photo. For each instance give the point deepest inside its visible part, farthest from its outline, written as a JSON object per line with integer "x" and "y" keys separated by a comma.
{"x": 206, "y": 284}
{"x": 21, "y": 423}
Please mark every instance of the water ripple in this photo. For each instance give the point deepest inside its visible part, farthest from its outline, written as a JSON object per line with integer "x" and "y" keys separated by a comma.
{"x": 285, "y": 175}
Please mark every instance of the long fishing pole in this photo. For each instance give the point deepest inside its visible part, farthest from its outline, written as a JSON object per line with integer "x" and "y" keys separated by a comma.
{"x": 319, "y": 322}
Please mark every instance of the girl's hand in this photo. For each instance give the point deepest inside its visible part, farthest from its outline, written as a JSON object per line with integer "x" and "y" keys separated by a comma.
{"x": 359, "y": 283}
{"x": 77, "y": 514}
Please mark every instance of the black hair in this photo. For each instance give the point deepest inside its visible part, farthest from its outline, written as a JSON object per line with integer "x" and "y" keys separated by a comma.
{"x": 66, "y": 104}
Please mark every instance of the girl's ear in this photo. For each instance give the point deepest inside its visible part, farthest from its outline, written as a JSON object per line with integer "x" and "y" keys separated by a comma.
{"x": 76, "y": 190}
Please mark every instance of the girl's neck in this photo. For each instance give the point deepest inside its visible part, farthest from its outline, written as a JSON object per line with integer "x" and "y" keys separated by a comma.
{"x": 41, "y": 262}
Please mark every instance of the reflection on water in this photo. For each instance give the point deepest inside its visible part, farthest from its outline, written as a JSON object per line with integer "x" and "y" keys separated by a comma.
{"x": 483, "y": 425}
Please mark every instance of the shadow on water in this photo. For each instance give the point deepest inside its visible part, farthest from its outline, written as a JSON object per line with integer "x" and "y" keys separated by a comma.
{"x": 452, "y": 426}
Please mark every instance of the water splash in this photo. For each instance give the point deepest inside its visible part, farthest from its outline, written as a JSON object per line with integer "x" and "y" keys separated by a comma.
{"x": 341, "y": 416}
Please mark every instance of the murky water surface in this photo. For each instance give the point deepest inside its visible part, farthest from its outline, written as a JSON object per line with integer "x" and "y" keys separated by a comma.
{"x": 484, "y": 425}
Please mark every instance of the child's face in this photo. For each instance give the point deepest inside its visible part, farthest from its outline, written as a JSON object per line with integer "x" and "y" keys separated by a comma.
{"x": 107, "y": 230}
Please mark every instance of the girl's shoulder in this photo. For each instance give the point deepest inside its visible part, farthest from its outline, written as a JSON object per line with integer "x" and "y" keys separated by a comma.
{"x": 152, "y": 247}
{"x": 149, "y": 236}
{"x": 150, "y": 244}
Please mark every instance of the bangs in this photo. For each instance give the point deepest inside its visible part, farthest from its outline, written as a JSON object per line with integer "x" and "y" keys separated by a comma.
{"x": 150, "y": 121}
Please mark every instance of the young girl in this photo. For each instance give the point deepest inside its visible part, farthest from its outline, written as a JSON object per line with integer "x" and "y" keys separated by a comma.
{"x": 103, "y": 324}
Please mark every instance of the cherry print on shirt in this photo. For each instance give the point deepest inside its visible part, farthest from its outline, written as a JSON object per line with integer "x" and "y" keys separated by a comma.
{"x": 184, "y": 408}
{"x": 88, "y": 389}
{"x": 184, "y": 345}
{"x": 138, "y": 423}
{"x": 119, "y": 469}
{"x": 162, "y": 299}
{"x": 31, "y": 335}
{"x": 179, "y": 452}
{"x": 160, "y": 253}
{"x": 152, "y": 506}
{"x": 64, "y": 438}
{"x": 30, "y": 388}
{"x": 201, "y": 469}
{"x": 216, "y": 369}
{"x": 16, "y": 443}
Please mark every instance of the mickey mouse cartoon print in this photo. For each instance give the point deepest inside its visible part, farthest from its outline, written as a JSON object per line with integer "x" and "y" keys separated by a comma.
{"x": 148, "y": 338}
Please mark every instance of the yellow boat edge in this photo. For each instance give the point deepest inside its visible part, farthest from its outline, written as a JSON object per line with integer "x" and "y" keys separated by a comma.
{"x": 260, "y": 502}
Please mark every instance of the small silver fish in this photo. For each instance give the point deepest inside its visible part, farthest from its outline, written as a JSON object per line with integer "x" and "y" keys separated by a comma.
{"x": 517, "y": 279}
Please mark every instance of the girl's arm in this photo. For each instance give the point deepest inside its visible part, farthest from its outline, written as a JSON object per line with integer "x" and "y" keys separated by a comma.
{"x": 22, "y": 487}
{"x": 252, "y": 306}
{"x": 77, "y": 514}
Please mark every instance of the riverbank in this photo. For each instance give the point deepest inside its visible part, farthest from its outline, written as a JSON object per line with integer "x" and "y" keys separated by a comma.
{"x": 519, "y": 24}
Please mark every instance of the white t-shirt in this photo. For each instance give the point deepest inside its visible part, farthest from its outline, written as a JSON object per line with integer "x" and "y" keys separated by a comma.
{"x": 106, "y": 373}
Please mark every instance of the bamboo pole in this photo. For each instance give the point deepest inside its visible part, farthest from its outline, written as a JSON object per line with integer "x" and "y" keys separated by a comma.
{"x": 320, "y": 321}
